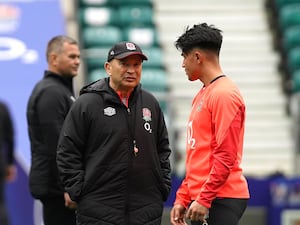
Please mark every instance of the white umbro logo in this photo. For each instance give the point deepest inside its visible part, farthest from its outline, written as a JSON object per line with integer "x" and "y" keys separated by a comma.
{"x": 109, "y": 111}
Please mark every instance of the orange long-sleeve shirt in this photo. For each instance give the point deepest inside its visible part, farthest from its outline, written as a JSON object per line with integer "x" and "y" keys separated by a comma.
{"x": 214, "y": 146}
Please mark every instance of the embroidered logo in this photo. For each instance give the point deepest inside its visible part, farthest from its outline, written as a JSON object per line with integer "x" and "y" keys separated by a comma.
{"x": 199, "y": 106}
{"x": 109, "y": 111}
{"x": 146, "y": 114}
{"x": 130, "y": 46}
{"x": 147, "y": 118}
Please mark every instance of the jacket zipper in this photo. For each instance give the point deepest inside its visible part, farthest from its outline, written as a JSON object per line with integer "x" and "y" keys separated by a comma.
{"x": 130, "y": 158}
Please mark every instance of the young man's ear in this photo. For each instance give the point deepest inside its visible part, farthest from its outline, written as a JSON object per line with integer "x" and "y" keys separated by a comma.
{"x": 198, "y": 56}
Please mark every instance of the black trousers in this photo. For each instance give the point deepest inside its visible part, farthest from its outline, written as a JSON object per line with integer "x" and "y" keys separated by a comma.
{"x": 55, "y": 212}
{"x": 225, "y": 211}
{"x": 4, "y": 218}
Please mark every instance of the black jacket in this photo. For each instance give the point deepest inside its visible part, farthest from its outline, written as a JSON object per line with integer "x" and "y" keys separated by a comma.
{"x": 6, "y": 138}
{"x": 47, "y": 108}
{"x": 97, "y": 163}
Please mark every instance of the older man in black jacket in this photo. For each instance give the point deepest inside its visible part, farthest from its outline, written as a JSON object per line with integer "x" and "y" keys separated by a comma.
{"x": 113, "y": 152}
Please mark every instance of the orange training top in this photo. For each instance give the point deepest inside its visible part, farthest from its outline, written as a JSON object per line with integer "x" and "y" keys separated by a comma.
{"x": 214, "y": 146}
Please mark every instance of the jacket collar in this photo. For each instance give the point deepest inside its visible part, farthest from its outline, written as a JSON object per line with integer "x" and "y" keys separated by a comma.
{"x": 67, "y": 81}
{"x": 102, "y": 87}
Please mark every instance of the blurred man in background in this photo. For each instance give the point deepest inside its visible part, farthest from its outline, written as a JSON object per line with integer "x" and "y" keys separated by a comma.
{"x": 7, "y": 167}
{"x": 47, "y": 108}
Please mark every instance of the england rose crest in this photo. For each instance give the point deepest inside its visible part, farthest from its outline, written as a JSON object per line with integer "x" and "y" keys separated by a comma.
{"x": 146, "y": 114}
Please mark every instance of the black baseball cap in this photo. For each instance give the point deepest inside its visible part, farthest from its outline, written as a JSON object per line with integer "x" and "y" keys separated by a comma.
{"x": 123, "y": 49}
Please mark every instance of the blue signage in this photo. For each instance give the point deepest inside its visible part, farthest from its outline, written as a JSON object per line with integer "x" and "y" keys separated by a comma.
{"x": 25, "y": 28}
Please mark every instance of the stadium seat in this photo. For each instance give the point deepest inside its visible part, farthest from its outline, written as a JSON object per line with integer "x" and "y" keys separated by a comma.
{"x": 97, "y": 16}
{"x": 135, "y": 15}
{"x": 291, "y": 37}
{"x": 289, "y": 15}
{"x": 83, "y": 3}
{"x": 96, "y": 74}
{"x": 155, "y": 57}
{"x": 154, "y": 80}
{"x": 294, "y": 59}
{"x": 130, "y": 2}
{"x": 95, "y": 57}
{"x": 143, "y": 36}
{"x": 93, "y": 36}
{"x": 280, "y": 3}
{"x": 296, "y": 81}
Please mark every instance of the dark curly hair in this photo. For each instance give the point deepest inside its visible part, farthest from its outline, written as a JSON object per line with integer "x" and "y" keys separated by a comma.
{"x": 200, "y": 36}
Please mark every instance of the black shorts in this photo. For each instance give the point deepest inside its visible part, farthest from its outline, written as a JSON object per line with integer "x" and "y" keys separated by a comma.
{"x": 225, "y": 211}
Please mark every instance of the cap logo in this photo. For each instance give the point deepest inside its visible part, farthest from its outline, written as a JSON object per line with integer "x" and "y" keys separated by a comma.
{"x": 130, "y": 46}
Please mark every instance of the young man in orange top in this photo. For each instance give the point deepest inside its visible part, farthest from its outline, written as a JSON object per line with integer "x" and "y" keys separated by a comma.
{"x": 214, "y": 190}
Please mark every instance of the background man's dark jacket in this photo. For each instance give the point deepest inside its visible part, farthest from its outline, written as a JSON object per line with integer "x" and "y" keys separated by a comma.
{"x": 47, "y": 108}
